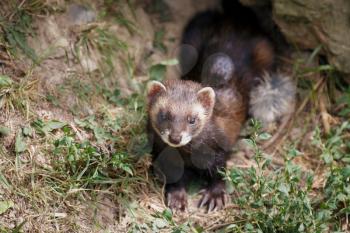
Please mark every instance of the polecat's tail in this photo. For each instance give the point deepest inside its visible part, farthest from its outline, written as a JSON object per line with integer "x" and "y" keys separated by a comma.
{"x": 273, "y": 98}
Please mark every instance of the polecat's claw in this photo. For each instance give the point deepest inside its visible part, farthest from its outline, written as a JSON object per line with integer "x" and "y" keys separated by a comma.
{"x": 204, "y": 200}
{"x": 214, "y": 198}
{"x": 177, "y": 199}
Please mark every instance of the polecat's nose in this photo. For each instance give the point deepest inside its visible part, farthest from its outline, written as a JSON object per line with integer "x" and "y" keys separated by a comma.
{"x": 175, "y": 139}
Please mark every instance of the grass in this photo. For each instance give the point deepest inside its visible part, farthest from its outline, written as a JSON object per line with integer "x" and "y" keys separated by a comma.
{"x": 283, "y": 200}
{"x": 16, "y": 25}
{"x": 16, "y": 95}
{"x": 83, "y": 166}
{"x": 74, "y": 166}
{"x": 102, "y": 40}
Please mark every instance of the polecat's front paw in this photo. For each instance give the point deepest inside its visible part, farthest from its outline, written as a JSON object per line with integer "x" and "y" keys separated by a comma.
{"x": 214, "y": 197}
{"x": 177, "y": 199}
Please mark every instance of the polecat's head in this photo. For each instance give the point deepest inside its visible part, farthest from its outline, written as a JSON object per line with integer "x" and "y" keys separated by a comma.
{"x": 178, "y": 110}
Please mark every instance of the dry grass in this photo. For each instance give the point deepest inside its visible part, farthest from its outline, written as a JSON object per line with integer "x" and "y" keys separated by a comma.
{"x": 73, "y": 154}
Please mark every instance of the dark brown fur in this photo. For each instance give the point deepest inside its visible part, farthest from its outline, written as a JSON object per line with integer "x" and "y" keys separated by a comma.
{"x": 232, "y": 40}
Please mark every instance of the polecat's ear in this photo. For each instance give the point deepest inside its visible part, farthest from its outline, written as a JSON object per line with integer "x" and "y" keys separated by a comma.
{"x": 154, "y": 88}
{"x": 206, "y": 97}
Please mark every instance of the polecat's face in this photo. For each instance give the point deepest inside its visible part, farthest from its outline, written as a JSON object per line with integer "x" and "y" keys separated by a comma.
{"x": 179, "y": 110}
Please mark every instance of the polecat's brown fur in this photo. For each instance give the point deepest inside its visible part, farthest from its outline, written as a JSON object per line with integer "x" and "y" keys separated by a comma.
{"x": 213, "y": 134}
{"x": 199, "y": 118}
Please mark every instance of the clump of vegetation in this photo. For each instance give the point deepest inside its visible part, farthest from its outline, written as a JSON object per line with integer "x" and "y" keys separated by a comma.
{"x": 105, "y": 42}
{"x": 283, "y": 199}
{"x": 58, "y": 164}
{"x": 16, "y": 94}
{"x": 16, "y": 25}
{"x": 79, "y": 164}
{"x": 345, "y": 102}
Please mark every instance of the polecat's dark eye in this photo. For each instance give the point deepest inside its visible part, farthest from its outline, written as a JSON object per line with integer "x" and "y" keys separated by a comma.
{"x": 163, "y": 116}
{"x": 191, "y": 120}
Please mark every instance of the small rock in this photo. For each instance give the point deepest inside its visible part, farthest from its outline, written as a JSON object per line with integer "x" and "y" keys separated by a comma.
{"x": 80, "y": 14}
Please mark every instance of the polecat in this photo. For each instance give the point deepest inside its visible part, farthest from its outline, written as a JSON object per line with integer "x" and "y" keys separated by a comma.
{"x": 202, "y": 124}
{"x": 194, "y": 122}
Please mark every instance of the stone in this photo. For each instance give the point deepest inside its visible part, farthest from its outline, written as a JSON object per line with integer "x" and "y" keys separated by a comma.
{"x": 313, "y": 23}
{"x": 80, "y": 14}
